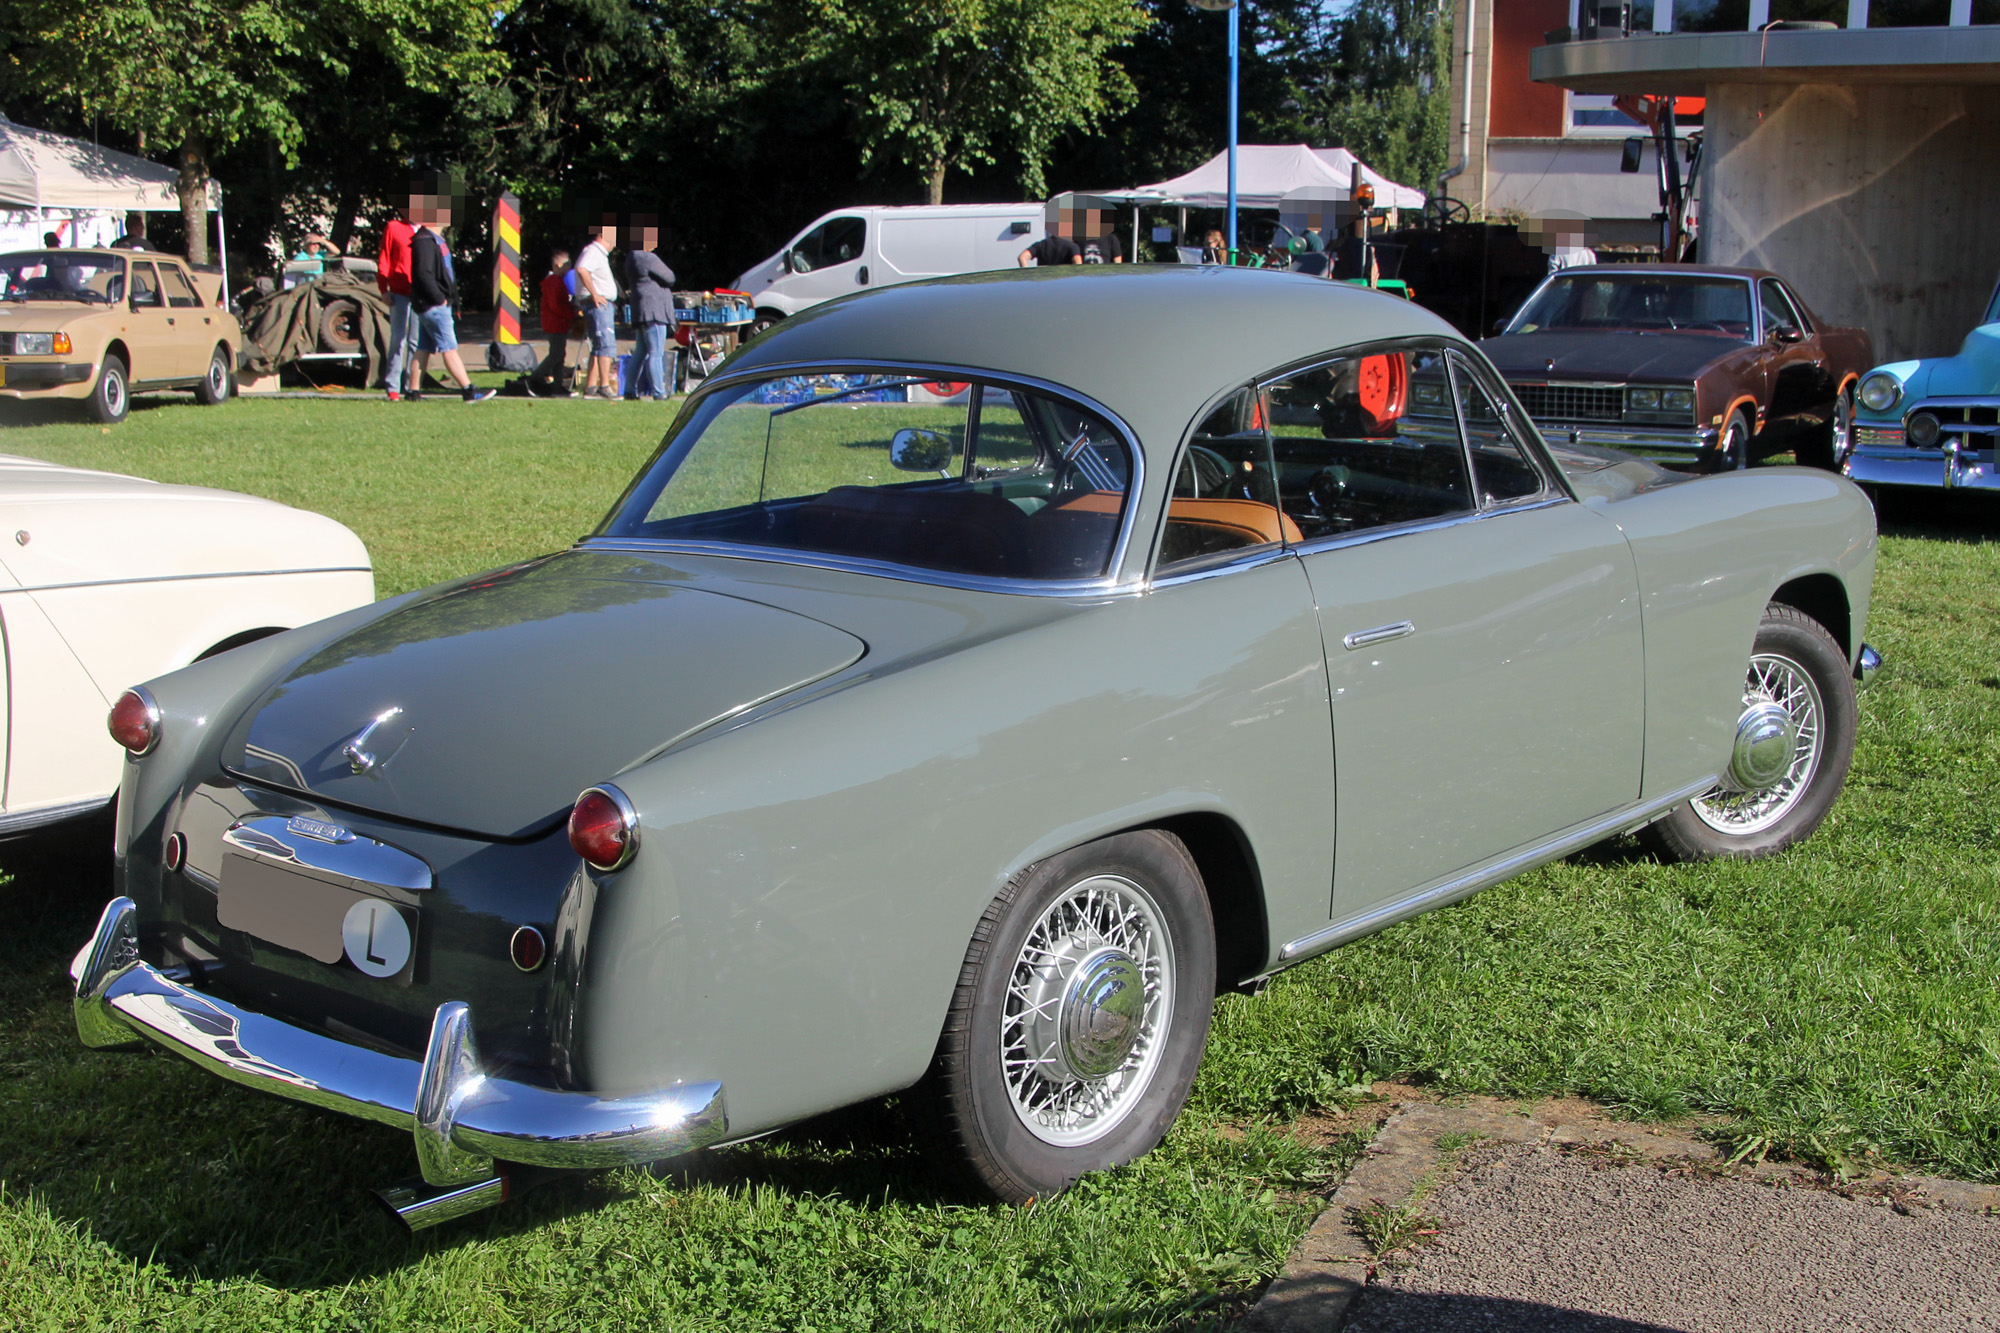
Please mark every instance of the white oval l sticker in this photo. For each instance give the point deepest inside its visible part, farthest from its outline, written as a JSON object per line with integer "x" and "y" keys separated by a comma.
{"x": 376, "y": 937}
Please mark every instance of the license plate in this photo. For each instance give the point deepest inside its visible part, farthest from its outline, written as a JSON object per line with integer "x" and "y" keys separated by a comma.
{"x": 321, "y": 920}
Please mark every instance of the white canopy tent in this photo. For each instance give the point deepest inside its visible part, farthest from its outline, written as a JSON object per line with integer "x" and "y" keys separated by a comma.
{"x": 55, "y": 175}
{"x": 1266, "y": 173}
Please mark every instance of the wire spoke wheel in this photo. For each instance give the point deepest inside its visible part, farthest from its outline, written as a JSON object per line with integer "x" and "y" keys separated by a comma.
{"x": 1088, "y": 1000}
{"x": 1773, "y": 679}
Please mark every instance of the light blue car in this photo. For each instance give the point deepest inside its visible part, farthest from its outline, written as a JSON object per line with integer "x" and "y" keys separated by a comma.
{"x": 1932, "y": 422}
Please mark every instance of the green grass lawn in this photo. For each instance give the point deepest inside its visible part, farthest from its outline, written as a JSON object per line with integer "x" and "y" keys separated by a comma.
{"x": 1839, "y": 1001}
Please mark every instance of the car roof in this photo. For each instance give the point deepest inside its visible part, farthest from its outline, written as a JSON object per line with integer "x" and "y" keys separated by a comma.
{"x": 1153, "y": 343}
{"x": 1668, "y": 270}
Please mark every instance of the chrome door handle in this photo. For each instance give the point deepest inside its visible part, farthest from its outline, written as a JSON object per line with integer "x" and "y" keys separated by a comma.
{"x": 1380, "y": 634}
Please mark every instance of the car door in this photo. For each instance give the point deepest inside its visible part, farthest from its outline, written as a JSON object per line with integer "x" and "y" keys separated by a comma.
{"x": 149, "y": 332}
{"x": 190, "y": 323}
{"x": 1481, "y": 628}
{"x": 1801, "y": 386}
{"x": 830, "y": 260}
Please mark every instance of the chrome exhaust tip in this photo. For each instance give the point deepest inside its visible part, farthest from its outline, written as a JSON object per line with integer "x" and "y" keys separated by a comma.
{"x": 417, "y": 1204}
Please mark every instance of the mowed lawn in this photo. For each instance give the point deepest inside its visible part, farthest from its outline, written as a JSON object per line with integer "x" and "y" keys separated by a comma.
{"x": 1838, "y": 1003}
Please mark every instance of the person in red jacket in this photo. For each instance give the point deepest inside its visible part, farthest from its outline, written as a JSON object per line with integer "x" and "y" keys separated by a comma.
{"x": 558, "y": 316}
{"x": 392, "y": 276}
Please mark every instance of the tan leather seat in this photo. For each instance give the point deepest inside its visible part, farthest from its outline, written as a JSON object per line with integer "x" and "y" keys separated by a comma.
{"x": 1256, "y": 523}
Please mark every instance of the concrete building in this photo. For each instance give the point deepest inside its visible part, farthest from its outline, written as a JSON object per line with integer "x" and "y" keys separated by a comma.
{"x": 1531, "y": 149}
{"x": 1861, "y": 162}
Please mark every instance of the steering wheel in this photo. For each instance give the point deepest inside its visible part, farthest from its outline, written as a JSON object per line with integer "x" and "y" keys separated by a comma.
{"x": 1440, "y": 209}
{"x": 1205, "y": 469}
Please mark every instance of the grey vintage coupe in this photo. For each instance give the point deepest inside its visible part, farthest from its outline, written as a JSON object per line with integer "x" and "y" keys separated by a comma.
{"x": 982, "y": 675}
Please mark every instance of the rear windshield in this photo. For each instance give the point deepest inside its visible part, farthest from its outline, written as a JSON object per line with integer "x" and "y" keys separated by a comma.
{"x": 1639, "y": 301}
{"x": 961, "y": 477}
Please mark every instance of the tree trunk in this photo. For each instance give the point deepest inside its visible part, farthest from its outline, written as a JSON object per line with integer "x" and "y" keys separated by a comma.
{"x": 135, "y": 223}
{"x": 193, "y": 189}
{"x": 343, "y": 217}
{"x": 934, "y": 182}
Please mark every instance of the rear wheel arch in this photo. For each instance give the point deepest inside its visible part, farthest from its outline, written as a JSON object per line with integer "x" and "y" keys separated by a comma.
{"x": 1824, "y": 598}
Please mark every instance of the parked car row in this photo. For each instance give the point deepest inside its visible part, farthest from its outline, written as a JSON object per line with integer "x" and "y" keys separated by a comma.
{"x": 952, "y": 703}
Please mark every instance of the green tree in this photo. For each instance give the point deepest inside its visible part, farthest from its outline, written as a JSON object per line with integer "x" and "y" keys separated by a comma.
{"x": 1386, "y": 94}
{"x": 958, "y": 83}
{"x": 204, "y": 75}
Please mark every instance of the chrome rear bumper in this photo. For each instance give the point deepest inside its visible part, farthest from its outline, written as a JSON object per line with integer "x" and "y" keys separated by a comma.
{"x": 463, "y": 1119}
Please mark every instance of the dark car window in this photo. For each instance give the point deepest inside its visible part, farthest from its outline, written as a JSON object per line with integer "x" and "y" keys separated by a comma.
{"x": 1778, "y": 311}
{"x": 1366, "y": 441}
{"x": 960, "y": 477}
{"x": 1642, "y": 300}
{"x": 835, "y": 241}
{"x": 180, "y": 292}
{"x": 1225, "y": 492}
{"x": 1502, "y": 470}
{"x": 145, "y": 285}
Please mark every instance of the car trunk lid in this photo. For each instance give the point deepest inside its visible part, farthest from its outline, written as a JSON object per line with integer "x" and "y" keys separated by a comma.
{"x": 500, "y": 700}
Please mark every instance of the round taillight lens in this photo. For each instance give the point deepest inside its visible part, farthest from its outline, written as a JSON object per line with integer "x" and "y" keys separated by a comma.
{"x": 175, "y": 853}
{"x": 604, "y": 828}
{"x": 527, "y": 948}
{"x": 135, "y": 721}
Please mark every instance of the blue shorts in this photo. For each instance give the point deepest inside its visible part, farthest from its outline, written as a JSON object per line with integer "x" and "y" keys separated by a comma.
{"x": 603, "y": 337}
{"x": 434, "y": 330}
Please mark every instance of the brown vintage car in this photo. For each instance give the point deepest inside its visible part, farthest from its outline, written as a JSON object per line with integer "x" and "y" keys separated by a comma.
{"x": 96, "y": 326}
{"x": 1683, "y": 362}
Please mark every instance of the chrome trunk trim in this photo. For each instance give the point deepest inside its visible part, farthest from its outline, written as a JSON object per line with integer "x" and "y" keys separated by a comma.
{"x": 456, "y": 1112}
{"x": 1466, "y": 884}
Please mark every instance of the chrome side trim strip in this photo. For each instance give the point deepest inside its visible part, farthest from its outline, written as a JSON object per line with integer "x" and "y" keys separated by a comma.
{"x": 22, "y": 820}
{"x": 189, "y": 578}
{"x": 1380, "y": 634}
{"x": 468, "y": 1113}
{"x": 1465, "y": 885}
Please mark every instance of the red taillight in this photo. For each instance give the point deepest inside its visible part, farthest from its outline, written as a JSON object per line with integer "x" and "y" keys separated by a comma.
{"x": 135, "y": 721}
{"x": 527, "y": 948}
{"x": 604, "y": 828}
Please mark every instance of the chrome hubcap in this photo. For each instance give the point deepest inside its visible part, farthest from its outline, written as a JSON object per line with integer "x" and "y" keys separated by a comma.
{"x": 1089, "y": 1002}
{"x": 1778, "y": 742}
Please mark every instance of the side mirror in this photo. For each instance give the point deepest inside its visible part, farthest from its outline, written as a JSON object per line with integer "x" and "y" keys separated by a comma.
{"x": 916, "y": 450}
{"x": 1635, "y": 150}
{"x": 1500, "y": 325}
{"x": 1785, "y": 333}
{"x": 789, "y": 262}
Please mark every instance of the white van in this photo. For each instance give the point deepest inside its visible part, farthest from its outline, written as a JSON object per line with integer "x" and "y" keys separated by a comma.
{"x": 854, "y": 249}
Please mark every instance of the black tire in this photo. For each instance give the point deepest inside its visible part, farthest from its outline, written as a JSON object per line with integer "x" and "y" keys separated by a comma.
{"x": 111, "y": 397}
{"x": 1741, "y": 822}
{"x": 1732, "y": 447}
{"x": 1154, "y": 1054}
{"x": 766, "y": 319}
{"x": 219, "y": 381}
{"x": 340, "y": 327}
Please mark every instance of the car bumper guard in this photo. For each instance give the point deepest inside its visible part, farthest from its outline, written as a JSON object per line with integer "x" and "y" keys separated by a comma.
{"x": 1961, "y": 467}
{"x": 464, "y": 1120}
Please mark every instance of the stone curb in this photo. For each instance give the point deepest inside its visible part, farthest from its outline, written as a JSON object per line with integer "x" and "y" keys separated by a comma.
{"x": 1317, "y": 1287}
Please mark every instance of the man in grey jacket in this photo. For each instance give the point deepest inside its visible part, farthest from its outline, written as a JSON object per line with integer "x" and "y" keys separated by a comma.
{"x": 651, "y": 285}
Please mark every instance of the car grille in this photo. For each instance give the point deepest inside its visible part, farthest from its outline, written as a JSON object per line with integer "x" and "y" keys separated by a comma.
{"x": 1977, "y": 416}
{"x": 1571, "y": 402}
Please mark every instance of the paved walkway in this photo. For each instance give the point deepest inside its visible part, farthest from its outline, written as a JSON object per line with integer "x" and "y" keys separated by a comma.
{"x": 1461, "y": 1218}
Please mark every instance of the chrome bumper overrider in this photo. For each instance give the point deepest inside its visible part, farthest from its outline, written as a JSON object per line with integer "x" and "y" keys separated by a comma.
{"x": 1866, "y": 663}
{"x": 1958, "y": 468}
{"x": 463, "y": 1119}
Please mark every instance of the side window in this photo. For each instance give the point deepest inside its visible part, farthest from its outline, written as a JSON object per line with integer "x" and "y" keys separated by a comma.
{"x": 145, "y": 285}
{"x": 1778, "y": 312}
{"x": 835, "y": 241}
{"x": 181, "y": 294}
{"x": 1501, "y": 467}
{"x": 1366, "y": 441}
{"x": 1225, "y": 494}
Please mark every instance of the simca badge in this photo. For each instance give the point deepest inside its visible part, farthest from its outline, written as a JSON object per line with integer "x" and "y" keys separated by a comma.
{"x": 319, "y": 829}
{"x": 376, "y": 938}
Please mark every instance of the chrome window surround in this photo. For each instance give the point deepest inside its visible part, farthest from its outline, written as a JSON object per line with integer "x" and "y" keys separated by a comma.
{"x": 1501, "y": 392}
{"x": 1534, "y": 448}
{"x": 1111, "y": 582}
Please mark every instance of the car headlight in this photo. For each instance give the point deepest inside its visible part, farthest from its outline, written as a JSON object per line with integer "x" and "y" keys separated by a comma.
{"x": 1643, "y": 400}
{"x": 1879, "y": 392}
{"x": 40, "y": 344}
{"x": 1677, "y": 400}
{"x": 1924, "y": 430}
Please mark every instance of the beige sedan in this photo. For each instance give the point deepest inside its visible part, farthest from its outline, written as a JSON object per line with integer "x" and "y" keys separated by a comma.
{"x": 106, "y": 580}
{"x": 97, "y": 326}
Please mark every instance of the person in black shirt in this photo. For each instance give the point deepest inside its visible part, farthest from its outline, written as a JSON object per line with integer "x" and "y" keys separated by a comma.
{"x": 1051, "y": 250}
{"x": 1105, "y": 249}
{"x": 433, "y": 291}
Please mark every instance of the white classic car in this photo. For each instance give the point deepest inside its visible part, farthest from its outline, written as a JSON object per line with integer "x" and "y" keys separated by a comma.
{"x": 106, "y": 579}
